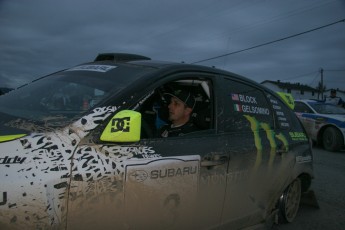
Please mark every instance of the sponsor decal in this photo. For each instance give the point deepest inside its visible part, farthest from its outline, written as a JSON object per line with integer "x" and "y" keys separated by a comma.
{"x": 138, "y": 176}
{"x": 278, "y": 111}
{"x": 135, "y": 151}
{"x": 270, "y": 134}
{"x": 298, "y": 136}
{"x": 162, "y": 169}
{"x": 120, "y": 124}
{"x": 303, "y": 159}
{"x": 272, "y": 137}
{"x": 281, "y": 119}
{"x": 142, "y": 175}
{"x": 284, "y": 124}
{"x": 277, "y": 107}
{"x": 143, "y": 100}
{"x": 173, "y": 172}
{"x": 219, "y": 178}
{"x": 164, "y": 184}
{"x": 273, "y": 101}
{"x": 96, "y": 68}
{"x": 12, "y": 160}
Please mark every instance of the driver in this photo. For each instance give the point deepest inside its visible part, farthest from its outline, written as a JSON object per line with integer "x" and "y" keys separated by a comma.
{"x": 180, "y": 109}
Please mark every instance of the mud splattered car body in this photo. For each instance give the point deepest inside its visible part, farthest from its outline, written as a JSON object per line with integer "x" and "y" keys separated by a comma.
{"x": 79, "y": 149}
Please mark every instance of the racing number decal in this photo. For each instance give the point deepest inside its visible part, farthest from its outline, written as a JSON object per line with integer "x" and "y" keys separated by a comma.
{"x": 4, "y": 198}
{"x": 120, "y": 124}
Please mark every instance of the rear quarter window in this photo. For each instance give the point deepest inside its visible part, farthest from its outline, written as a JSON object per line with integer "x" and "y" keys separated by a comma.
{"x": 300, "y": 107}
{"x": 285, "y": 118}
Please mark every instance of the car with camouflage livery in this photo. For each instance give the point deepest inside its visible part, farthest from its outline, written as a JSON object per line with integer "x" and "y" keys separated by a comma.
{"x": 79, "y": 150}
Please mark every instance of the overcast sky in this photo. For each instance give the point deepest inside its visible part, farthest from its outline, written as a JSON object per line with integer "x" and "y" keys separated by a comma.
{"x": 38, "y": 37}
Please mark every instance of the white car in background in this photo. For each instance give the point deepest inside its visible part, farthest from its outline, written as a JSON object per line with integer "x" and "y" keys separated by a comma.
{"x": 324, "y": 123}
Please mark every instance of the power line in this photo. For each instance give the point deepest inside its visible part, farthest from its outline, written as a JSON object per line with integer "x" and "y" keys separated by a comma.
{"x": 271, "y": 42}
{"x": 301, "y": 76}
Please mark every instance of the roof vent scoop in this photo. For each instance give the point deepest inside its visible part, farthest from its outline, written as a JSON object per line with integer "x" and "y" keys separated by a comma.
{"x": 120, "y": 57}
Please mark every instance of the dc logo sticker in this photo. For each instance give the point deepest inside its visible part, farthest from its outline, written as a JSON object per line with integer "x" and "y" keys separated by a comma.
{"x": 120, "y": 124}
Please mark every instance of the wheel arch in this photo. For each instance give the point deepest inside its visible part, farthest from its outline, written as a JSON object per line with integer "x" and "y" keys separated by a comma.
{"x": 306, "y": 179}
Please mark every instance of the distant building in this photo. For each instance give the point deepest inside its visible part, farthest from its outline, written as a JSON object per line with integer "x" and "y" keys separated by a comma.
{"x": 297, "y": 90}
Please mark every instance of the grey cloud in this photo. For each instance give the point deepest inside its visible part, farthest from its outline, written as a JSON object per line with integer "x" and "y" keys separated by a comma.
{"x": 39, "y": 37}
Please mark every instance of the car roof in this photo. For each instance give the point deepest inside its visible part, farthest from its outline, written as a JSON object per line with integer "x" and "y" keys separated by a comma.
{"x": 168, "y": 66}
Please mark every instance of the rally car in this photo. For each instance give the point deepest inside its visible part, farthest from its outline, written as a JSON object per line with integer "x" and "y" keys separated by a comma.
{"x": 324, "y": 123}
{"x": 79, "y": 150}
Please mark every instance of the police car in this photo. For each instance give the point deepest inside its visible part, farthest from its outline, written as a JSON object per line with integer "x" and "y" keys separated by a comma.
{"x": 79, "y": 150}
{"x": 324, "y": 122}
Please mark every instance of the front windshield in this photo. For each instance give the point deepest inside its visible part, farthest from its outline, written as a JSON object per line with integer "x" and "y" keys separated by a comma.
{"x": 328, "y": 109}
{"x": 60, "y": 96}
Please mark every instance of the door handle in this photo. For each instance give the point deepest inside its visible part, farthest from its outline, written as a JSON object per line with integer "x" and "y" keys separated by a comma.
{"x": 218, "y": 160}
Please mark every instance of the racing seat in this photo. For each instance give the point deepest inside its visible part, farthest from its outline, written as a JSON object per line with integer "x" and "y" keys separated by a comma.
{"x": 202, "y": 118}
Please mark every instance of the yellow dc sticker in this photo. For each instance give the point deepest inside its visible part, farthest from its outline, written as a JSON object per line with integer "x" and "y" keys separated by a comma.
{"x": 288, "y": 99}
{"x": 123, "y": 127}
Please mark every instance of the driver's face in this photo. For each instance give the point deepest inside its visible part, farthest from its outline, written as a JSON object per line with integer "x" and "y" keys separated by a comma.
{"x": 178, "y": 112}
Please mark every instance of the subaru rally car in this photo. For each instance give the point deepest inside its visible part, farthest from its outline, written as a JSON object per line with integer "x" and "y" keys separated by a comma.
{"x": 324, "y": 123}
{"x": 79, "y": 150}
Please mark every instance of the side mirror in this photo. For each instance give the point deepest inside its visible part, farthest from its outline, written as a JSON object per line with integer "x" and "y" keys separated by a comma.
{"x": 125, "y": 126}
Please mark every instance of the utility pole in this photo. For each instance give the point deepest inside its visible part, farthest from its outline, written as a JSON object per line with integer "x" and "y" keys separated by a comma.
{"x": 321, "y": 71}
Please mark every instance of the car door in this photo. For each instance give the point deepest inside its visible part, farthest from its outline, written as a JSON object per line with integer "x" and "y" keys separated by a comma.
{"x": 250, "y": 141}
{"x": 191, "y": 199}
{"x": 159, "y": 183}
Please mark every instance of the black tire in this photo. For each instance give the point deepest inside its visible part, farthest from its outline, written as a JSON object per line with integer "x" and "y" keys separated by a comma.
{"x": 289, "y": 202}
{"x": 332, "y": 139}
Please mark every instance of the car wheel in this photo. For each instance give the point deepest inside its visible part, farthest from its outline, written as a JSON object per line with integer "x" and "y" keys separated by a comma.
{"x": 289, "y": 202}
{"x": 332, "y": 139}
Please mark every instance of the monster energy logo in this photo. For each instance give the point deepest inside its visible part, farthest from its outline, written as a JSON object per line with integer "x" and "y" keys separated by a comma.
{"x": 271, "y": 136}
